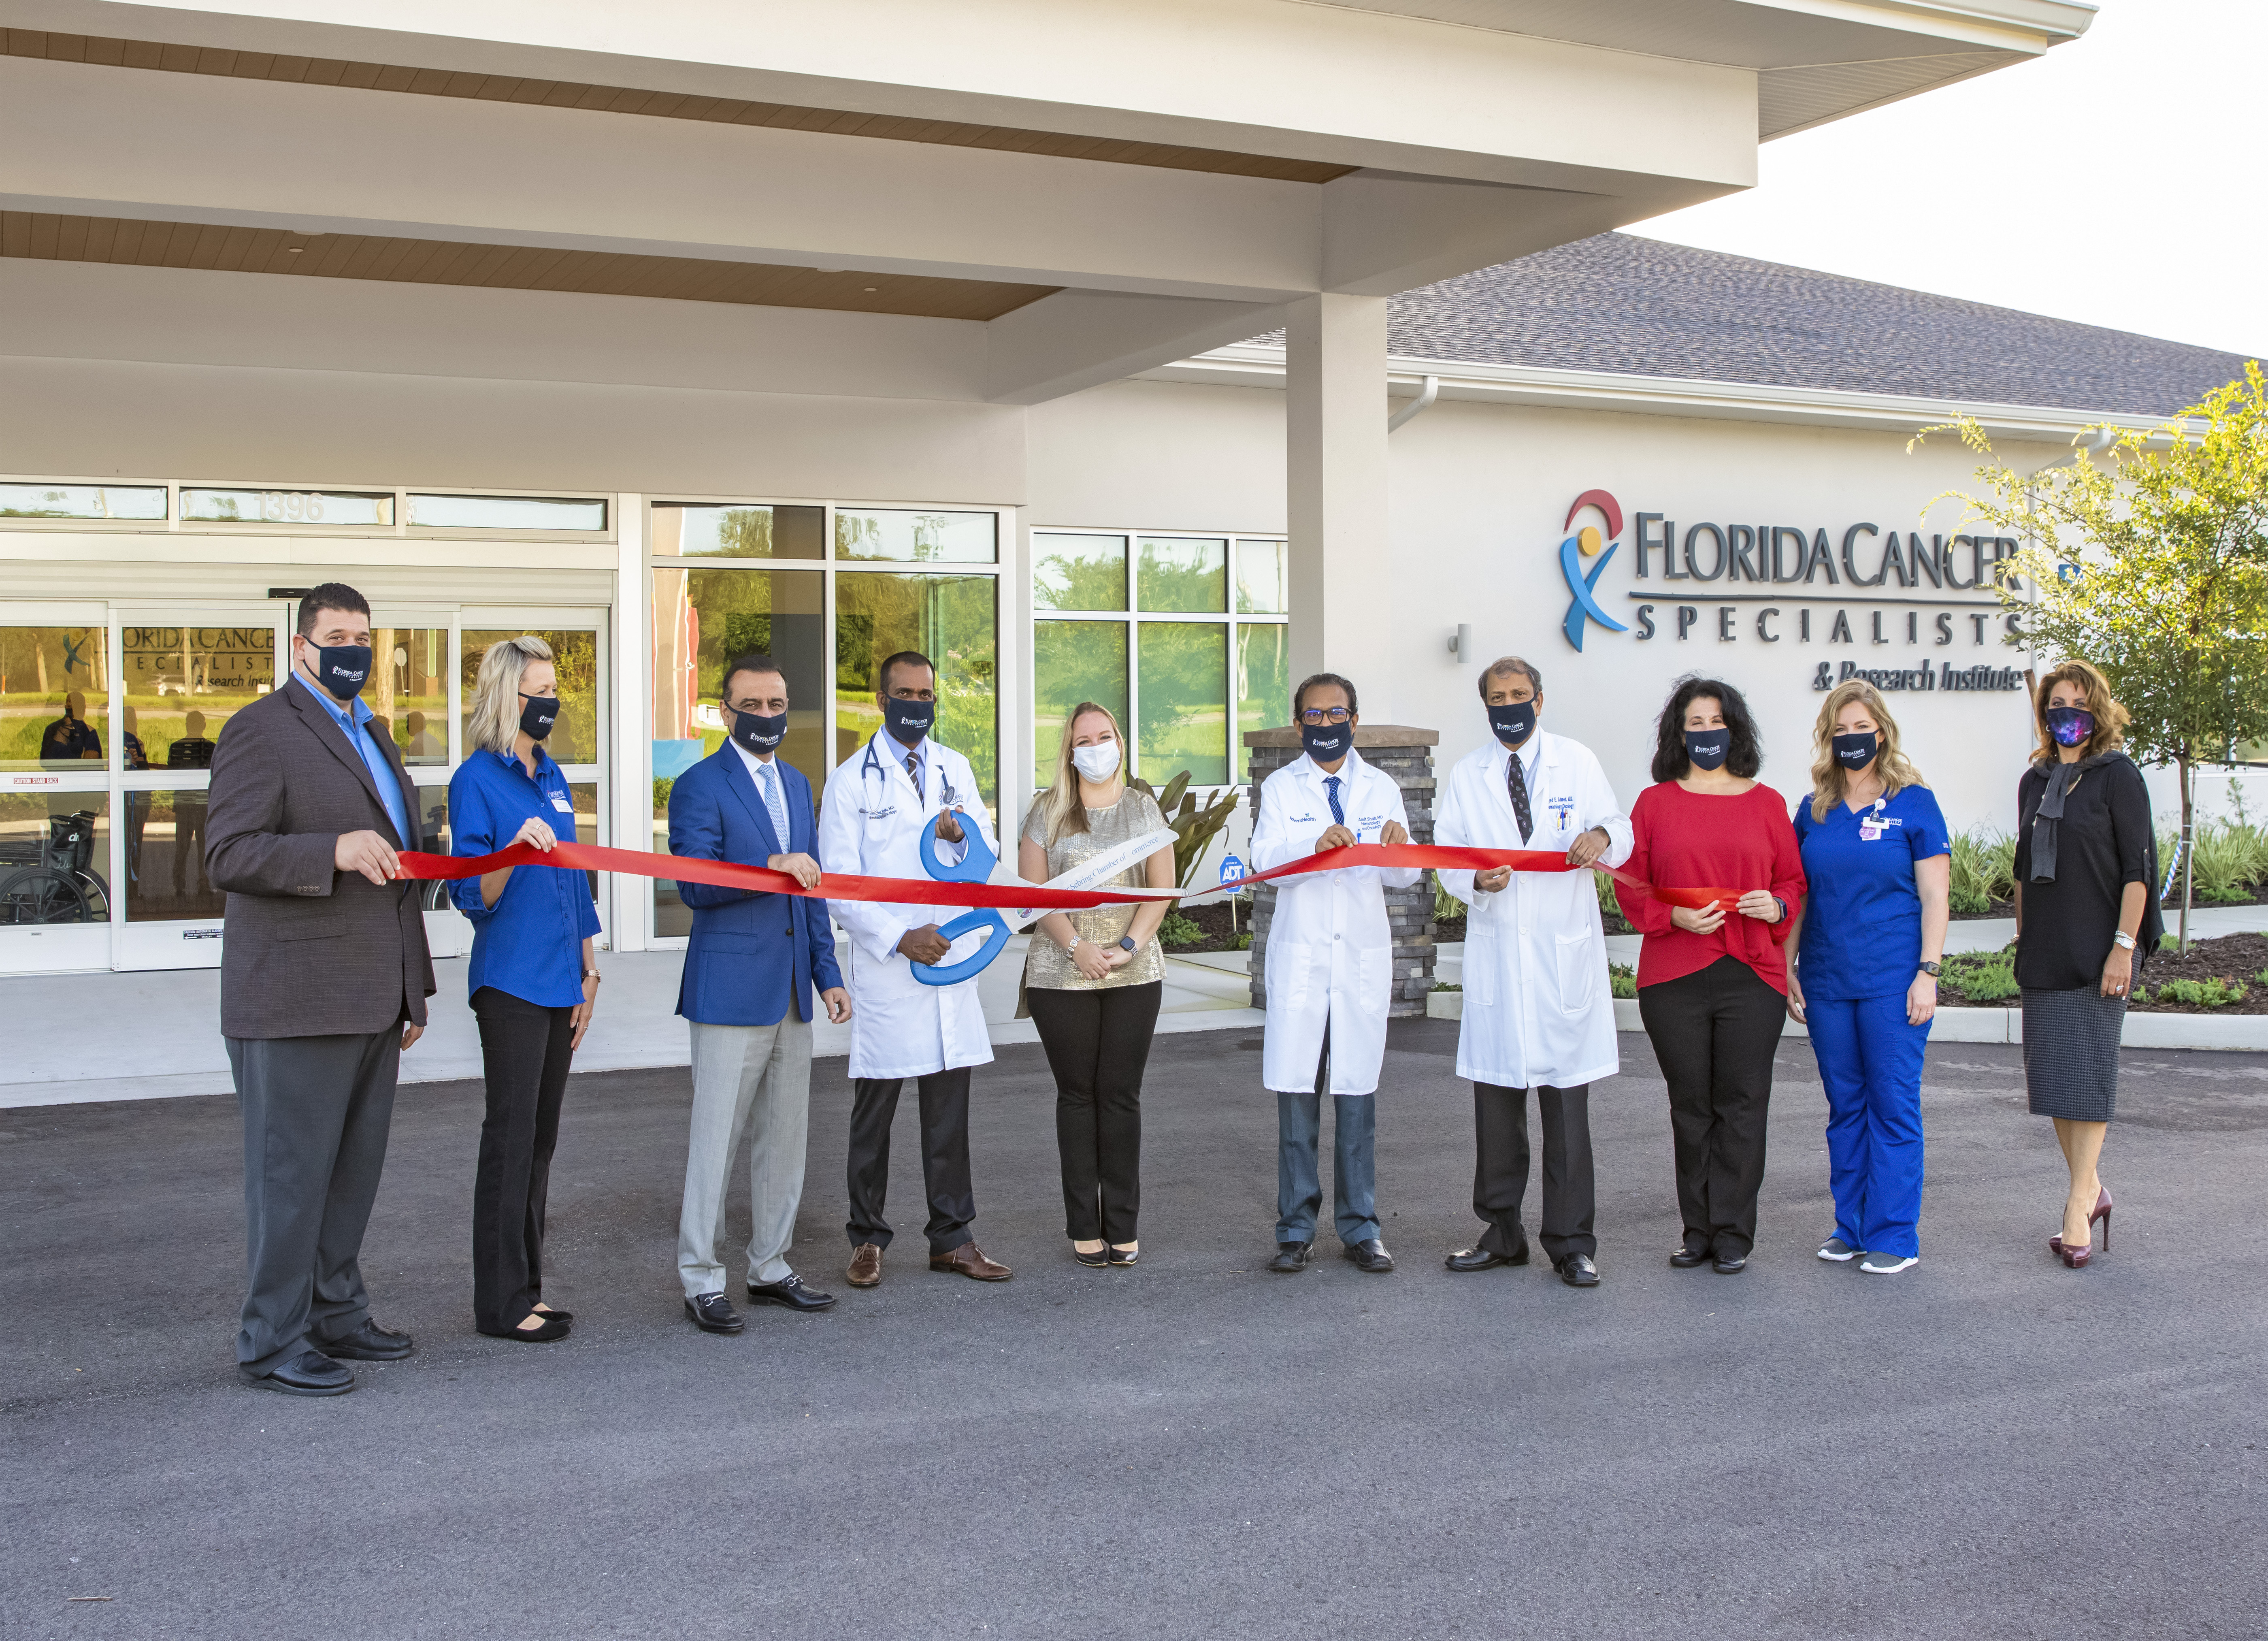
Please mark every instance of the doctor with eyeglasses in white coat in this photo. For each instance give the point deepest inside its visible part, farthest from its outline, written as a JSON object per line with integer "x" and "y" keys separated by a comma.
{"x": 1329, "y": 972}
{"x": 1539, "y": 1010}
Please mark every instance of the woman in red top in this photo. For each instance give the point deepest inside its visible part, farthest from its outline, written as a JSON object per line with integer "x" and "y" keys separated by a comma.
{"x": 1713, "y": 987}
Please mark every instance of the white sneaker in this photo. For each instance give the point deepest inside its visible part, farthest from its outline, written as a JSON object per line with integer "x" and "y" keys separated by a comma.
{"x": 1887, "y": 1265}
{"x": 1836, "y": 1249}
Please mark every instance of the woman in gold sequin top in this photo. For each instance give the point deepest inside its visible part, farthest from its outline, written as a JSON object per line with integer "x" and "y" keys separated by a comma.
{"x": 1093, "y": 980}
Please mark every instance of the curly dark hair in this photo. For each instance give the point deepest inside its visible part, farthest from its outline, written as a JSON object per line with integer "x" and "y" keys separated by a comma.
{"x": 1670, "y": 762}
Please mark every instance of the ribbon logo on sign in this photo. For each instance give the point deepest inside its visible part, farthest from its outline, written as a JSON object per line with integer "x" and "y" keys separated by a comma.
{"x": 1587, "y": 543}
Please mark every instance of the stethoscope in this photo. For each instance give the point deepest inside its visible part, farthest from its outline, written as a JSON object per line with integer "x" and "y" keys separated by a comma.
{"x": 873, "y": 765}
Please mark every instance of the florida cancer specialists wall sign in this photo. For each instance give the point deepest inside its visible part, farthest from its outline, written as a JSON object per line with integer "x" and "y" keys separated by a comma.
{"x": 1794, "y": 561}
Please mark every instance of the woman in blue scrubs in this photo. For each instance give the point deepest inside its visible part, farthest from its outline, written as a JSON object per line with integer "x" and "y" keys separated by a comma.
{"x": 1863, "y": 976}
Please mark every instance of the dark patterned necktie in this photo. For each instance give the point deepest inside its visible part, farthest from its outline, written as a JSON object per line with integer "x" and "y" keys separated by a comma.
{"x": 1331, "y": 791}
{"x": 1515, "y": 781}
{"x": 913, "y": 772}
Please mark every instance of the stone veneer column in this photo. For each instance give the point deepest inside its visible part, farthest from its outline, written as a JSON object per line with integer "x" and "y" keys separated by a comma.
{"x": 1406, "y": 754}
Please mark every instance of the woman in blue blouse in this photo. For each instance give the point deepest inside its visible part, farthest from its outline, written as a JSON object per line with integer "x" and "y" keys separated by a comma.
{"x": 534, "y": 980}
{"x": 1863, "y": 977}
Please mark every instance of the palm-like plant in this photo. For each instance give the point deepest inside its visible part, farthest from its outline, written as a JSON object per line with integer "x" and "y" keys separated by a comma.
{"x": 1195, "y": 825}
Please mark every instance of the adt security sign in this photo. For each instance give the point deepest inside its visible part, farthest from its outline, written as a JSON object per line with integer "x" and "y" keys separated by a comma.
{"x": 1231, "y": 868}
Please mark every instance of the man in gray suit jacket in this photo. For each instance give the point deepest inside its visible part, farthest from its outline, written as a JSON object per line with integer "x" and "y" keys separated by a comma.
{"x": 323, "y": 981}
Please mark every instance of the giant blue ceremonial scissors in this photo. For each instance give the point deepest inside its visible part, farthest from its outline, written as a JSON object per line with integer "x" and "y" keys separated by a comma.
{"x": 974, "y": 866}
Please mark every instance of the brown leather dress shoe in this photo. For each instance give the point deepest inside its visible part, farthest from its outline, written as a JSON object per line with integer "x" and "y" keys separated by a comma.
{"x": 969, "y": 1260}
{"x": 865, "y": 1266}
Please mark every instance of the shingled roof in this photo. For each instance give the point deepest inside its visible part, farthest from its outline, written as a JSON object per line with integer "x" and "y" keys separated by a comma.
{"x": 1620, "y": 304}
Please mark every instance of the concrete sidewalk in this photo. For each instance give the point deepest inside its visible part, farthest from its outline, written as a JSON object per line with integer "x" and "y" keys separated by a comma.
{"x": 1987, "y": 1446}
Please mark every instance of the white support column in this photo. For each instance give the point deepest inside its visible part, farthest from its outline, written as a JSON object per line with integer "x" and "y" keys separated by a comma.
{"x": 1342, "y": 589}
{"x": 632, "y": 631}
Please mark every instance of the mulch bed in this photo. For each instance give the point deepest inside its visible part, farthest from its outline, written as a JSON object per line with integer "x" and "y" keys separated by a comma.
{"x": 1213, "y": 919}
{"x": 2234, "y": 958}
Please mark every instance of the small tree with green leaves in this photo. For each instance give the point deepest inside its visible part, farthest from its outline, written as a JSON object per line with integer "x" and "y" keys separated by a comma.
{"x": 2150, "y": 560}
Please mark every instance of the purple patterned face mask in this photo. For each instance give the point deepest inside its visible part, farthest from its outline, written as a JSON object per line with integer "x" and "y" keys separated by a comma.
{"x": 2070, "y": 725}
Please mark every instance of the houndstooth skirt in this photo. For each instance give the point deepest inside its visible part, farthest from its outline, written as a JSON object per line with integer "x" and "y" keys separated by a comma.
{"x": 2071, "y": 1053}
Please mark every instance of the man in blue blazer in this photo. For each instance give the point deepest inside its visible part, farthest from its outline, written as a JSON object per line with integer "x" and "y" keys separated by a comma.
{"x": 751, "y": 966}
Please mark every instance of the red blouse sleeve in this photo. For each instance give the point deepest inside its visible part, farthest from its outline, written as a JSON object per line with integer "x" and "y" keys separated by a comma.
{"x": 1645, "y": 914}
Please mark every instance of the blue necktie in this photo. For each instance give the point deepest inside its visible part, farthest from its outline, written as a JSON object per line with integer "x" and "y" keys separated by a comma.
{"x": 1331, "y": 790}
{"x": 775, "y": 802}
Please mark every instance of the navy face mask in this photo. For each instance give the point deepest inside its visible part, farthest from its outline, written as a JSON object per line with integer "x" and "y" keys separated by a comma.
{"x": 1855, "y": 752}
{"x": 537, "y": 714}
{"x": 1327, "y": 743}
{"x": 908, "y": 721}
{"x": 759, "y": 732}
{"x": 1708, "y": 748}
{"x": 2070, "y": 725}
{"x": 1514, "y": 723}
{"x": 342, "y": 668}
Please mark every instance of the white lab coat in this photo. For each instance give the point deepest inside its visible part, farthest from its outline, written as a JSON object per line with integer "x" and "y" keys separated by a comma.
{"x": 1330, "y": 952}
{"x": 870, "y": 824}
{"x": 1538, "y": 1010}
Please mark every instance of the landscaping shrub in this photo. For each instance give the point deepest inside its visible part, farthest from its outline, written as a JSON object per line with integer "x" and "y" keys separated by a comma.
{"x": 1983, "y": 869}
{"x": 1982, "y": 976}
{"x": 1622, "y": 980}
{"x": 1179, "y": 930}
{"x": 2207, "y": 994}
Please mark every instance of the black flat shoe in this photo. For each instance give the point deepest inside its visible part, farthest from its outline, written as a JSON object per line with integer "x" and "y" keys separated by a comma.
{"x": 791, "y": 1291}
{"x": 542, "y": 1309}
{"x": 1095, "y": 1260}
{"x": 1291, "y": 1256}
{"x": 1731, "y": 1265}
{"x": 1369, "y": 1256}
{"x": 309, "y": 1373}
{"x": 1125, "y": 1255}
{"x": 1686, "y": 1258}
{"x": 1484, "y": 1259}
{"x": 551, "y": 1329}
{"x": 369, "y": 1343}
{"x": 713, "y": 1312}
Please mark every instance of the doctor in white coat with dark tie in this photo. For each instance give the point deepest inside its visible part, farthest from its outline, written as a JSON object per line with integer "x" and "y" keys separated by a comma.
{"x": 871, "y": 823}
{"x": 1539, "y": 1010}
{"x": 1330, "y": 973}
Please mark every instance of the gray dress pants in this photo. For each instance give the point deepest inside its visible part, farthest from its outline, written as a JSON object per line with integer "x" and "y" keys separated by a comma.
{"x": 754, "y": 1079}
{"x": 317, "y": 1111}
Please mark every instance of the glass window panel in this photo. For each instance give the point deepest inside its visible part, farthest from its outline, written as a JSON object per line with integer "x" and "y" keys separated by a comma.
{"x": 54, "y": 850}
{"x": 432, "y": 821}
{"x": 165, "y": 880}
{"x": 408, "y": 691}
{"x": 1264, "y": 684}
{"x": 1264, "y": 585}
{"x": 82, "y": 500}
{"x": 1078, "y": 572}
{"x": 575, "y": 657}
{"x": 54, "y": 698}
{"x": 696, "y": 531}
{"x": 585, "y": 795}
{"x": 184, "y": 683}
{"x": 333, "y": 507}
{"x": 506, "y": 512}
{"x": 1184, "y": 680}
{"x": 1180, "y": 574}
{"x": 952, "y": 619}
{"x": 1072, "y": 661}
{"x": 922, "y": 538}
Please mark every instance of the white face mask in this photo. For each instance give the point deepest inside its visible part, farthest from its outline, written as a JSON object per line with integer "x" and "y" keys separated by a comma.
{"x": 1097, "y": 762}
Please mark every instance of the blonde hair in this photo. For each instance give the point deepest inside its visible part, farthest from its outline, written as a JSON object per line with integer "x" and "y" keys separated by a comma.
{"x": 493, "y": 719}
{"x": 1059, "y": 805}
{"x": 2094, "y": 688}
{"x": 1830, "y": 780}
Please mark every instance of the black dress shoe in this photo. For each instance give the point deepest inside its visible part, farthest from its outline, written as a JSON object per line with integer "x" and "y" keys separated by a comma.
{"x": 1731, "y": 1264}
{"x": 1686, "y": 1258}
{"x": 1369, "y": 1256}
{"x": 1098, "y": 1260}
{"x": 791, "y": 1291}
{"x": 1577, "y": 1270}
{"x": 309, "y": 1373}
{"x": 369, "y": 1343}
{"x": 713, "y": 1312}
{"x": 1292, "y": 1256}
{"x": 1485, "y": 1258}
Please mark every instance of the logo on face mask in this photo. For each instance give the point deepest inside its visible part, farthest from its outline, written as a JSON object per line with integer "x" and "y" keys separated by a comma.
{"x": 342, "y": 668}
{"x": 1514, "y": 723}
{"x": 1855, "y": 752}
{"x": 908, "y": 721}
{"x": 537, "y": 714}
{"x": 1587, "y": 543}
{"x": 1326, "y": 743}
{"x": 1708, "y": 748}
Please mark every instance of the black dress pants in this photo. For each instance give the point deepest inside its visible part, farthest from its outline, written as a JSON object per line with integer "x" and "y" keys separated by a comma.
{"x": 523, "y": 1056}
{"x": 944, "y": 1157}
{"x": 1098, "y": 1043}
{"x": 1500, "y": 1168}
{"x": 1715, "y": 1032}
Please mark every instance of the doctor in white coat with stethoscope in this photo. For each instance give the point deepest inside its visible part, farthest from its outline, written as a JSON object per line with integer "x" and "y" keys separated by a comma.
{"x": 871, "y": 823}
{"x": 1330, "y": 973}
{"x": 1539, "y": 1008}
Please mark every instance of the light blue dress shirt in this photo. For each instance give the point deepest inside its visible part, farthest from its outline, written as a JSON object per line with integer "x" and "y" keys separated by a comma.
{"x": 356, "y": 726}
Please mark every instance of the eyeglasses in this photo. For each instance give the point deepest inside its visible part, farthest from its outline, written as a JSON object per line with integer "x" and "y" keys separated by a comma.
{"x": 1325, "y": 714}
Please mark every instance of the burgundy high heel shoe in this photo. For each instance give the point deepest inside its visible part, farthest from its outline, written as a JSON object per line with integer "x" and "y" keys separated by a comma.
{"x": 2075, "y": 1258}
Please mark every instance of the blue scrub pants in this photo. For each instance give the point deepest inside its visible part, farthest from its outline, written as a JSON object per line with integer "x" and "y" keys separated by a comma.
{"x": 1870, "y": 1061}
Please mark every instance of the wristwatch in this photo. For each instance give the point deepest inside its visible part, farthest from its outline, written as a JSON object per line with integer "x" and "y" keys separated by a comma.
{"x": 1931, "y": 969}
{"x": 2126, "y": 941}
{"x": 1126, "y": 942}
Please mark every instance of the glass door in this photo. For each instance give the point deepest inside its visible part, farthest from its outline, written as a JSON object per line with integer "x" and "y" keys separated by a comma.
{"x": 183, "y": 671}
{"x": 413, "y": 691}
{"x": 58, "y": 744}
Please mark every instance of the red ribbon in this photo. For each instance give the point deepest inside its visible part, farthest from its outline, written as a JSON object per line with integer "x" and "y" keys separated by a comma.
{"x": 923, "y": 891}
